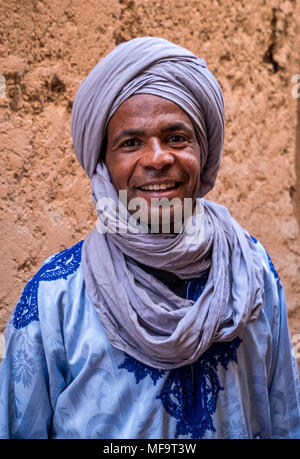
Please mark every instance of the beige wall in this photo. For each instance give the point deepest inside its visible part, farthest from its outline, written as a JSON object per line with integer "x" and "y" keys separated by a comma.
{"x": 48, "y": 48}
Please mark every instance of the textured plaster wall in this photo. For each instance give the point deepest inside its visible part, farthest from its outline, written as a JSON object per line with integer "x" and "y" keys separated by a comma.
{"x": 48, "y": 47}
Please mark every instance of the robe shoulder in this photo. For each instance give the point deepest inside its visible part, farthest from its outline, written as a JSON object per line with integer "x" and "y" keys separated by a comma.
{"x": 58, "y": 273}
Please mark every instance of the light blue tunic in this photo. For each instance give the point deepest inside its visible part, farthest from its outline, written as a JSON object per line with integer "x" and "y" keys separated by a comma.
{"x": 61, "y": 377}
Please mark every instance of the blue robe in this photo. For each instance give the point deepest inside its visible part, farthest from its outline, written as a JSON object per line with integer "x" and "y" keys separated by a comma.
{"x": 61, "y": 378}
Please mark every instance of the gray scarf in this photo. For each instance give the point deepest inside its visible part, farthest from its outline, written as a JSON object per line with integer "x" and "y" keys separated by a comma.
{"x": 140, "y": 315}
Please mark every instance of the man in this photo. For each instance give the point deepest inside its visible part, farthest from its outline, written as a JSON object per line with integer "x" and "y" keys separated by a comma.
{"x": 139, "y": 332}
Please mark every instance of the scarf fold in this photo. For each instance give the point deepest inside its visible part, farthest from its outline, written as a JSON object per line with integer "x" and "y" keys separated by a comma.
{"x": 140, "y": 315}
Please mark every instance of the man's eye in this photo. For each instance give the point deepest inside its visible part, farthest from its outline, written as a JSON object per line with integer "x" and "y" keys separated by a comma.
{"x": 129, "y": 143}
{"x": 177, "y": 138}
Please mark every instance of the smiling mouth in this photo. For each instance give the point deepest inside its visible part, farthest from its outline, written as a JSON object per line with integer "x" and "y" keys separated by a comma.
{"x": 160, "y": 186}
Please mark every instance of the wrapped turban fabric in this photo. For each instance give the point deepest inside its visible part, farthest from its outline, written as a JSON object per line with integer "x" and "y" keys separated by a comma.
{"x": 141, "y": 315}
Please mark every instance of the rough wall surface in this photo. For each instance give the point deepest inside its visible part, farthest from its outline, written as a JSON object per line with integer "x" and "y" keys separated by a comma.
{"x": 48, "y": 47}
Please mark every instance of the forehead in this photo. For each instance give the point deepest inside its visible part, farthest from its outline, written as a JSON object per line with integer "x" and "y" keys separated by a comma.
{"x": 145, "y": 110}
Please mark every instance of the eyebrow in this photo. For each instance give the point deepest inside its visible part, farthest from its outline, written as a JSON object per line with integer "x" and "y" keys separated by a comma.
{"x": 179, "y": 126}
{"x": 172, "y": 127}
{"x": 129, "y": 133}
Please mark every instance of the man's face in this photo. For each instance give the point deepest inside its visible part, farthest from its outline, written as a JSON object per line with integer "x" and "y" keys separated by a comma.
{"x": 152, "y": 150}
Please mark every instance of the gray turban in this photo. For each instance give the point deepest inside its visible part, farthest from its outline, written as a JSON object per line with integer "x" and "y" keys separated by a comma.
{"x": 155, "y": 66}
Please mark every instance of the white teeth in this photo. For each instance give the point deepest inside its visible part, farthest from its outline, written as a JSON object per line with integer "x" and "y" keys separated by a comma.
{"x": 156, "y": 187}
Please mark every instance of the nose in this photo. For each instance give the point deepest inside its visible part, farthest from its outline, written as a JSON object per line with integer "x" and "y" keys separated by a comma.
{"x": 156, "y": 155}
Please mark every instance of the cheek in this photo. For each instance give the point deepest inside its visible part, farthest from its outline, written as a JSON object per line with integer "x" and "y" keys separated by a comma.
{"x": 119, "y": 172}
{"x": 191, "y": 164}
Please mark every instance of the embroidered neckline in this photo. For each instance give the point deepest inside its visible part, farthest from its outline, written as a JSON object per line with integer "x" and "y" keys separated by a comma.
{"x": 60, "y": 266}
{"x": 189, "y": 394}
